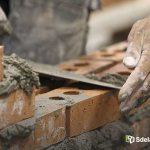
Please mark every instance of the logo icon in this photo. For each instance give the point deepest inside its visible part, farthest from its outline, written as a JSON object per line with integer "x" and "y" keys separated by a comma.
{"x": 129, "y": 139}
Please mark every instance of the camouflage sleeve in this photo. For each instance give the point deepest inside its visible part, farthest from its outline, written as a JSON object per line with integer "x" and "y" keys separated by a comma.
{"x": 4, "y": 24}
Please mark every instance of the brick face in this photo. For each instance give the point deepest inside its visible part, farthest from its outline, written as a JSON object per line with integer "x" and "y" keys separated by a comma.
{"x": 104, "y": 56}
{"x": 86, "y": 66}
{"x": 15, "y": 107}
{"x": 50, "y": 125}
{"x": 87, "y": 109}
{"x": 92, "y": 113}
{"x": 106, "y": 3}
{"x": 119, "y": 47}
{"x": 98, "y": 61}
{"x": 119, "y": 68}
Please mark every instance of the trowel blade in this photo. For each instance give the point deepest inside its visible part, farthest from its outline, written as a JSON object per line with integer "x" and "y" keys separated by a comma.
{"x": 52, "y": 71}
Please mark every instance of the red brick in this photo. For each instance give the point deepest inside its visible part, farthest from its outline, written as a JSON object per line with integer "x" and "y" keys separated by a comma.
{"x": 113, "y": 53}
{"x": 87, "y": 109}
{"x": 116, "y": 69}
{"x": 105, "y": 56}
{"x": 85, "y": 66}
{"x": 97, "y": 61}
{"x": 94, "y": 112}
{"x": 1, "y": 62}
{"x": 118, "y": 47}
{"x": 15, "y": 107}
{"x": 50, "y": 125}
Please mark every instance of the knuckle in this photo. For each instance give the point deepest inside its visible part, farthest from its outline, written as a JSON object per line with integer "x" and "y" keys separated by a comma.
{"x": 138, "y": 75}
{"x": 139, "y": 78}
{"x": 122, "y": 94}
{"x": 125, "y": 92}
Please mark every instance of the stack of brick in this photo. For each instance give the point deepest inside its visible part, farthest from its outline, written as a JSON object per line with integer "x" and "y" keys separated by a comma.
{"x": 66, "y": 111}
{"x": 14, "y": 108}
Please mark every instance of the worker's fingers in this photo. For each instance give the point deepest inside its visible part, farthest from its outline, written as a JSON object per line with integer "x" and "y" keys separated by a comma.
{"x": 132, "y": 55}
{"x": 135, "y": 40}
{"x": 138, "y": 55}
{"x": 138, "y": 97}
{"x": 136, "y": 78}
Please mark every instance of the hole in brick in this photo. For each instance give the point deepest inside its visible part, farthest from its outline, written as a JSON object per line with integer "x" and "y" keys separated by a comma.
{"x": 72, "y": 93}
{"x": 124, "y": 49}
{"x": 56, "y": 98}
{"x": 82, "y": 64}
{"x": 84, "y": 58}
{"x": 124, "y": 73}
{"x": 119, "y": 51}
{"x": 70, "y": 69}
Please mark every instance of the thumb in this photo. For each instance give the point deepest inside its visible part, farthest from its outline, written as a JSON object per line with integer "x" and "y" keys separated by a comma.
{"x": 132, "y": 55}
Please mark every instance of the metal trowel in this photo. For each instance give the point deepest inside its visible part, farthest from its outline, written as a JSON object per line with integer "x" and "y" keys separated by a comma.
{"x": 52, "y": 71}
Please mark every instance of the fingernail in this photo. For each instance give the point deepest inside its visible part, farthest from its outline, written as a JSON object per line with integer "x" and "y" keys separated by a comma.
{"x": 129, "y": 61}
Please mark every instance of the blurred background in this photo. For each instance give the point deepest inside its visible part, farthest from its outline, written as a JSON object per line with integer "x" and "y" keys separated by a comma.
{"x": 113, "y": 22}
{"x": 29, "y": 18}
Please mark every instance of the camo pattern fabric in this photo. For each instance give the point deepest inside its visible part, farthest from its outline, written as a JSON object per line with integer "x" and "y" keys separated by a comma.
{"x": 49, "y": 31}
{"x": 4, "y": 24}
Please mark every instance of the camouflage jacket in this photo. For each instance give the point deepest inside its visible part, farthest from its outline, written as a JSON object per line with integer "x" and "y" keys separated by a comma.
{"x": 49, "y": 31}
{"x": 4, "y": 24}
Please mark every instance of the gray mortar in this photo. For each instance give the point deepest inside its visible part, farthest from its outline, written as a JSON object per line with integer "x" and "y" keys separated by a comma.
{"x": 139, "y": 117}
{"x": 18, "y": 130}
{"x": 143, "y": 113}
{"x": 18, "y": 74}
{"x": 110, "y": 137}
{"x": 115, "y": 79}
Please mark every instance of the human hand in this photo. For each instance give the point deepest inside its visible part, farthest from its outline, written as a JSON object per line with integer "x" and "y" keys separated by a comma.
{"x": 138, "y": 57}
